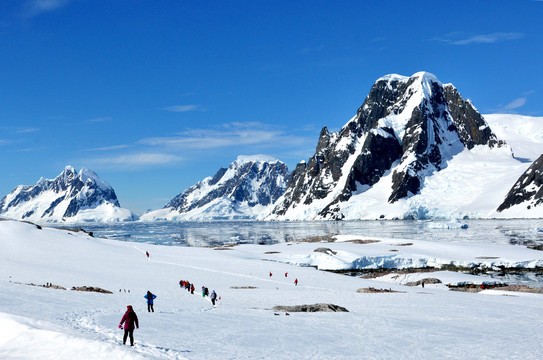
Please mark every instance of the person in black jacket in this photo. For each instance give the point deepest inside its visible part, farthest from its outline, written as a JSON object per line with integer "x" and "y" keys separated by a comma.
{"x": 213, "y": 297}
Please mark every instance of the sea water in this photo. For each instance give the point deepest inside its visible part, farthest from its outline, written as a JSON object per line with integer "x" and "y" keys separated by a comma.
{"x": 211, "y": 233}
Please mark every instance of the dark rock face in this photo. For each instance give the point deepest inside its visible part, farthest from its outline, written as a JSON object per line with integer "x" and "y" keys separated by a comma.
{"x": 83, "y": 190}
{"x": 251, "y": 182}
{"x": 217, "y": 176}
{"x": 326, "y": 251}
{"x": 470, "y": 125}
{"x": 91, "y": 289}
{"x": 295, "y": 189}
{"x": 321, "y": 307}
{"x": 528, "y": 189}
{"x": 410, "y": 126}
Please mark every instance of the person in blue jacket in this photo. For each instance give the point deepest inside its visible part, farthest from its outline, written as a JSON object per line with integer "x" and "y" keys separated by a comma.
{"x": 150, "y": 297}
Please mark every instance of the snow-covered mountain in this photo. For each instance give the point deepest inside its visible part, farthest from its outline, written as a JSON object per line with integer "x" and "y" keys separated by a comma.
{"x": 247, "y": 189}
{"x": 70, "y": 197}
{"x": 415, "y": 149}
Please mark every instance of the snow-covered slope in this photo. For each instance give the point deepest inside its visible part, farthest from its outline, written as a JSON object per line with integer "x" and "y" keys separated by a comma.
{"x": 70, "y": 197}
{"x": 246, "y": 190}
{"x": 44, "y": 323}
{"x": 415, "y": 149}
{"x": 524, "y": 134}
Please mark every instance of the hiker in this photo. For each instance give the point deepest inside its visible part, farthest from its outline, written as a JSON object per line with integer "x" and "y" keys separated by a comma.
{"x": 150, "y": 297}
{"x": 129, "y": 319}
{"x": 213, "y": 297}
{"x": 147, "y": 253}
{"x": 192, "y": 289}
{"x": 206, "y": 292}
{"x": 270, "y": 274}
{"x": 203, "y": 291}
{"x": 286, "y": 274}
{"x": 296, "y": 282}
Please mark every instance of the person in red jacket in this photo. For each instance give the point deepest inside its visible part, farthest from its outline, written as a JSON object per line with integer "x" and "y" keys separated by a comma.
{"x": 129, "y": 319}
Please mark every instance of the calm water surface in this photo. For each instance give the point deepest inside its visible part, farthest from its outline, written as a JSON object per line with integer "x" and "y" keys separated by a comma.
{"x": 265, "y": 232}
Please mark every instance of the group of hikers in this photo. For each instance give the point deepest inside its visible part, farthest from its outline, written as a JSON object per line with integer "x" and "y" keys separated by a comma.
{"x": 286, "y": 275}
{"x": 129, "y": 321}
{"x": 187, "y": 285}
{"x": 213, "y": 297}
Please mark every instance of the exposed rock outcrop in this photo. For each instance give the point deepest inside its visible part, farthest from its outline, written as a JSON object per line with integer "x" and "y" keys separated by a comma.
{"x": 528, "y": 190}
{"x": 321, "y": 307}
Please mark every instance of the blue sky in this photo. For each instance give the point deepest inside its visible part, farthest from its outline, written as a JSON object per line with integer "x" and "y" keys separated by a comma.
{"x": 156, "y": 95}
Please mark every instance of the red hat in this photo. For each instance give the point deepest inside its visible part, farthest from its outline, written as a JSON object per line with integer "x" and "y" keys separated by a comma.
{"x": 129, "y": 307}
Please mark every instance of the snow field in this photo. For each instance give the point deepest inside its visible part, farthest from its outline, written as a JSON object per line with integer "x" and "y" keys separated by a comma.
{"x": 414, "y": 323}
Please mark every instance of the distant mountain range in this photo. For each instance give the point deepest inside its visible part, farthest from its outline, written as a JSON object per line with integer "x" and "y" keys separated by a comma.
{"x": 247, "y": 189}
{"x": 70, "y": 197}
{"x": 416, "y": 149}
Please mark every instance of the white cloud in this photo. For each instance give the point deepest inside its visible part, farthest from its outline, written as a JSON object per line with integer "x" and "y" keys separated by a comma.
{"x": 233, "y": 138}
{"x": 512, "y": 106}
{"x": 20, "y": 130}
{"x": 106, "y": 148}
{"x": 228, "y": 135}
{"x": 482, "y": 38}
{"x": 184, "y": 108}
{"x": 100, "y": 119}
{"x": 312, "y": 50}
{"x": 515, "y": 104}
{"x": 134, "y": 161}
{"x": 37, "y": 7}
{"x": 26, "y": 130}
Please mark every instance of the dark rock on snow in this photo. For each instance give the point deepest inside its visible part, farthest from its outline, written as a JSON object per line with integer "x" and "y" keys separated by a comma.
{"x": 321, "y": 307}
{"x": 528, "y": 189}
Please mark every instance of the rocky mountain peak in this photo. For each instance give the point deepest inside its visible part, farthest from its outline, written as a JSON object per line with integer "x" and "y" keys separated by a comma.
{"x": 410, "y": 126}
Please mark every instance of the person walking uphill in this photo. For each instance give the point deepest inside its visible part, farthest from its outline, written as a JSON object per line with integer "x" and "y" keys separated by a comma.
{"x": 150, "y": 297}
{"x": 129, "y": 319}
{"x": 213, "y": 297}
